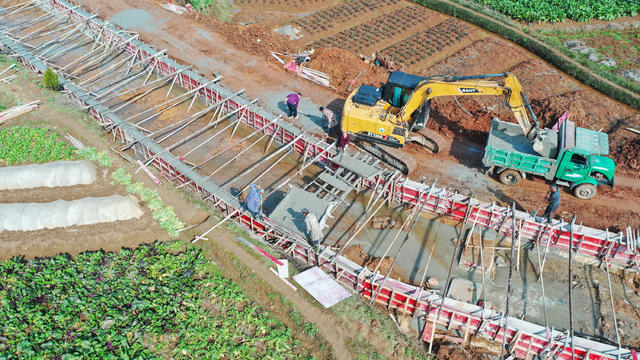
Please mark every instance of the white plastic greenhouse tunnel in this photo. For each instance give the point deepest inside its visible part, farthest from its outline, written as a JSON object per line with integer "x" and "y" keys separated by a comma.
{"x": 53, "y": 174}
{"x": 62, "y": 213}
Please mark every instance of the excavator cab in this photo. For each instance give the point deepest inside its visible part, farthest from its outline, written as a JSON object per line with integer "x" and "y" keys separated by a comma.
{"x": 399, "y": 88}
{"x": 397, "y": 91}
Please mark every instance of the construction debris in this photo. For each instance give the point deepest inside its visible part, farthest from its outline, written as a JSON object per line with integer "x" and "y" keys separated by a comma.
{"x": 296, "y": 65}
{"x": 381, "y": 60}
{"x": 17, "y": 111}
{"x": 383, "y": 222}
{"x": 176, "y": 9}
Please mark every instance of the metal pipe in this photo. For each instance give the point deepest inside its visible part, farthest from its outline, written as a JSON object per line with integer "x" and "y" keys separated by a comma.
{"x": 506, "y": 312}
{"x": 573, "y": 221}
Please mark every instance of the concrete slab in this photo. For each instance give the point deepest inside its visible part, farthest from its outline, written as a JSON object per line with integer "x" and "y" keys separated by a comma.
{"x": 288, "y": 213}
{"x": 323, "y": 288}
{"x": 354, "y": 164}
{"x": 464, "y": 290}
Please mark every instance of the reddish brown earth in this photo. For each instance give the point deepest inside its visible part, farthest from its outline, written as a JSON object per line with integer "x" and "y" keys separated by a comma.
{"x": 356, "y": 254}
{"x": 325, "y": 60}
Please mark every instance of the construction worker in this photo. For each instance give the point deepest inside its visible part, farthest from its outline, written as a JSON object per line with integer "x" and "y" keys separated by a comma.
{"x": 553, "y": 197}
{"x": 343, "y": 141}
{"x": 314, "y": 230}
{"x": 330, "y": 117}
{"x": 253, "y": 201}
{"x": 293, "y": 100}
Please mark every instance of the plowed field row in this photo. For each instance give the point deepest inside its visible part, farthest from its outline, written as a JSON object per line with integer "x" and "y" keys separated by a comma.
{"x": 328, "y": 18}
{"x": 426, "y": 43}
{"x": 377, "y": 31}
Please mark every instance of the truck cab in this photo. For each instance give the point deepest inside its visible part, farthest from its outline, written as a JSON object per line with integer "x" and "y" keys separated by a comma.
{"x": 581, "y": 165}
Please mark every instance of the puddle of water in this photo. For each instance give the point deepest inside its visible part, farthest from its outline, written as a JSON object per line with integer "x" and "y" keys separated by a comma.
{"x": 136, "y": 18}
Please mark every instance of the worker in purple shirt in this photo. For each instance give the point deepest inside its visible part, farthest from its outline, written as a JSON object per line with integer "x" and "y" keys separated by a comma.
{"x": 293, "y": 100}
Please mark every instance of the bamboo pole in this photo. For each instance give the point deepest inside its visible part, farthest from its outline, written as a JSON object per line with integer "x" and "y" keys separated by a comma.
{"x": 21, "y": 6}
{"x": 506, "y": 312}
{"x": 266, "y": 171}
{"x": 57, "y": 18}
{"x": 23, "y": 25}
{"x": 185, "y": 95}
{"x": 236, "y": 156}
{"x": 204, "y": 129}
{"x": 251, "y": 168}
{"x": 404, "y": 242}
{"x": 431, "y": 251}
{"x": 58, "y": 39}
{"x": 174, "y": 75}
{"x": 318, "y": 155}
{"x": 360, "y": 224}
{"x": 276, "y": 119}
{"x": 613, "y": 309}
{"x": 573, "y": 220}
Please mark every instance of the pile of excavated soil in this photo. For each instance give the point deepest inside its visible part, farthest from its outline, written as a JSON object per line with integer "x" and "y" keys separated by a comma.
{"x": 356, "y": 254}
{"x": 450, "y": 351}
{"x": 254, "y": 39}
{"x": 627, "y": 155}
{"x": 343, "y": 66}
{"x": 470, "y": 117}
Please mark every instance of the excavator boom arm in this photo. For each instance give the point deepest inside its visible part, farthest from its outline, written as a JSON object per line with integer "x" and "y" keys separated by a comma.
{"x": 474, "y": 86}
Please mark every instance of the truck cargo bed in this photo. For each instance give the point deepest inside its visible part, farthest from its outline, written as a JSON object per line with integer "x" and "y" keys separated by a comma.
{"x": 509, "y": 137}
{"x": 508, "y": 148}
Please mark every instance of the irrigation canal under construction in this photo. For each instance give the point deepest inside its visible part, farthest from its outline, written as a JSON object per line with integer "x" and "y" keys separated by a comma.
{"x": 211, "y": 139}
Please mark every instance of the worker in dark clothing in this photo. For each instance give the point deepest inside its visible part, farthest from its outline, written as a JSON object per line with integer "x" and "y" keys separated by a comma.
{"x": 332, "y": 122}
{"x": 343, "y": 141}
{"x": 553, "y": 197}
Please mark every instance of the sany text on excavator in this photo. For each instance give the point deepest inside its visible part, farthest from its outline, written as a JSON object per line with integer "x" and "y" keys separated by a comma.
{"x": 391, "y": 115}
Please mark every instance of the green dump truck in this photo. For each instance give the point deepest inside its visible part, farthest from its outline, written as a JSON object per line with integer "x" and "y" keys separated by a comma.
{"x": 574, "y": 158}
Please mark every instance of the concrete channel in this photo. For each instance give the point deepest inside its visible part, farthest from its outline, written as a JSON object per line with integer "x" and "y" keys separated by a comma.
{"x": 206, "y": 141}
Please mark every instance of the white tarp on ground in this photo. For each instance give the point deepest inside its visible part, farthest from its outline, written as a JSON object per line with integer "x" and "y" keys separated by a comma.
{"x": 53, "y": 174}
{"x": 327, "y": 291}
{"x": 62, "y": 213}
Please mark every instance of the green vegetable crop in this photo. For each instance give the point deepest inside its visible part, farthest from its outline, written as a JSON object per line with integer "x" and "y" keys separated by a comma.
{"x": 142, "y": 303}
{"x": 555, "y": 10}
{"x": 19, "y": 145}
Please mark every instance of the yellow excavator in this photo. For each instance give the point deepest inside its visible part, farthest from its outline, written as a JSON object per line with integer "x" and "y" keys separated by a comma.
{"x": 392, "y": 115}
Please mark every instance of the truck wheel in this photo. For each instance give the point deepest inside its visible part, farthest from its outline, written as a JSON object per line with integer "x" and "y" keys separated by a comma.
{"x": 585, "y": 191}
{"x": 510, "y": 177}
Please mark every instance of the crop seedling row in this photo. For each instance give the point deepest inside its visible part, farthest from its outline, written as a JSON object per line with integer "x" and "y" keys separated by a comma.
{"x": 326, "y": 19}
{"x": 375, "y": 31}
{"x": 425, "y": 43}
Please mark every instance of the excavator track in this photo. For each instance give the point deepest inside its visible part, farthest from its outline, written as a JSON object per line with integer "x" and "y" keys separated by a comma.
{"x": 394, "y": 157}
{"x": 399, "y": 158}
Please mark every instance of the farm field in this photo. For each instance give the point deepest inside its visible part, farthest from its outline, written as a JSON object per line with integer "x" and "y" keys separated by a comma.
{"x": 155, "y": 301}
{"x": 553, "y": 11}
